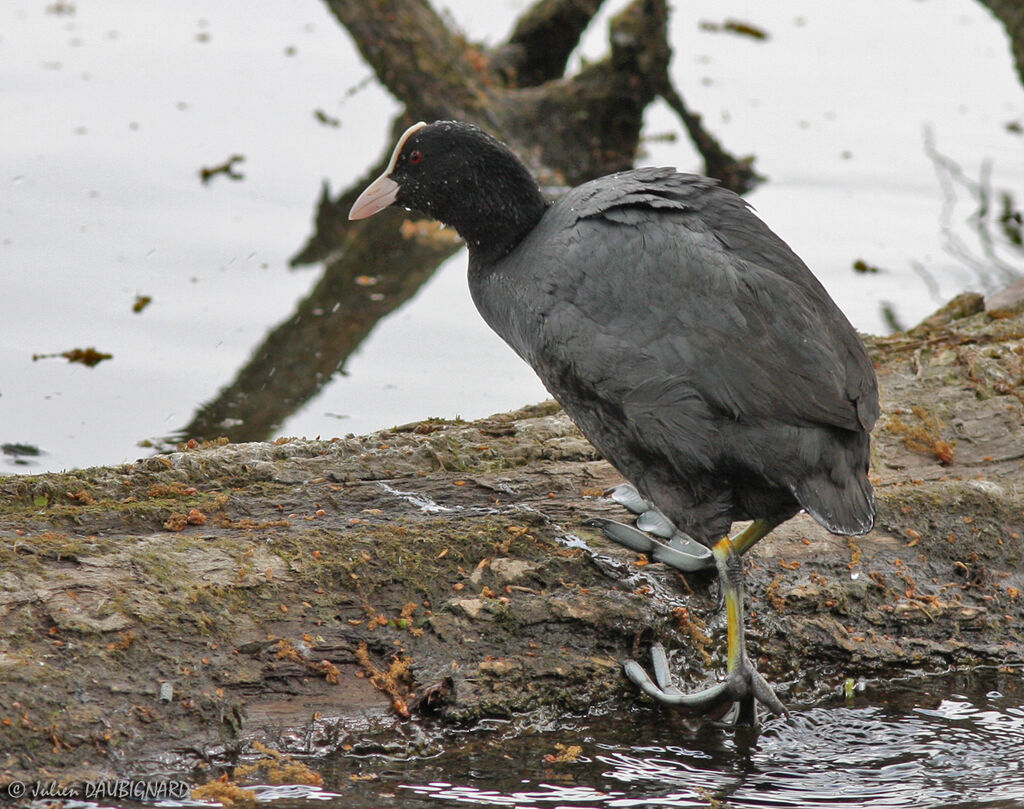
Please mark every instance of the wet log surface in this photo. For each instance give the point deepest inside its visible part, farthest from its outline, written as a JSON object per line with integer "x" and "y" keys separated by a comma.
{"x": 366, "y": 592}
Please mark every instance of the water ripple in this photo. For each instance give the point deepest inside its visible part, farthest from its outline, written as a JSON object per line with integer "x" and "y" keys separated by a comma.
{"x": 917, "y": 751}
{"x": 901, "y": 748}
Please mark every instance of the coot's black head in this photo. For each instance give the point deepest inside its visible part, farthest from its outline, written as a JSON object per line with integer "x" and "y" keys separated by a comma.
{"x": 459, "y": 175}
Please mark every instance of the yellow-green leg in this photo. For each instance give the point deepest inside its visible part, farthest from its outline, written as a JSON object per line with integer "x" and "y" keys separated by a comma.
{"x": 743, "y": 686}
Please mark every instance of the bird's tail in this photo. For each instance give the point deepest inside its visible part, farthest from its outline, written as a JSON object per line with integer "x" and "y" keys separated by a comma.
{"x": 843, "y": 508}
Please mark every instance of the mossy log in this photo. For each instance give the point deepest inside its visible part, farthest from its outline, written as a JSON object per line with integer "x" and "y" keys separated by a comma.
{"x": 318, "y": 594}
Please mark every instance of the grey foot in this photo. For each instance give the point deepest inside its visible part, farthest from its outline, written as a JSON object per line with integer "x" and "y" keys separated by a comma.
{"x": 731, "y": 702}
{"x": 681, "y": 551}
{"x": 648, "y": 517}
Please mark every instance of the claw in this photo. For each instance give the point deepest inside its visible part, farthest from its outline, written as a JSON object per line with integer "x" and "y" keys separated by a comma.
{"x": 626, "y": 495}
{"x": 688, "y": 545}
{"x": 733, "y": 701}
{"x": 682, "y": 553}
{"x": 765, "y": 694}
{"x": 649, "y": 519}
{"x": 625, "y": 535}
{"x": 654, "y": 522}
{"x": 730, "y": 703}
{"x": 662, "y": 674}
{"x": 699, "y": 701}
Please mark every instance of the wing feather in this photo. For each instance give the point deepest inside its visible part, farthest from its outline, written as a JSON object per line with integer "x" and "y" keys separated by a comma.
{"x": 737, "y": 328}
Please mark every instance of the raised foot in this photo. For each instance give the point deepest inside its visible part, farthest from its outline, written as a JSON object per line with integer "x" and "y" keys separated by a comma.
{"x": 731, "y": 702}
{"x": 681, "y": 551}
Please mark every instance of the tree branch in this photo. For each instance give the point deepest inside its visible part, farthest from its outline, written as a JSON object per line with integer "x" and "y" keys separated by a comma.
{"x": 542, "y": 42}
{"x": 431, "y": 69}
{"x": 736, "y": 174}
{"x": 374, "y": 272}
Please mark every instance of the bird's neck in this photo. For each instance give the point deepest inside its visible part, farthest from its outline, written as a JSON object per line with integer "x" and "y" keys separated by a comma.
{"x": 494, "y": 222}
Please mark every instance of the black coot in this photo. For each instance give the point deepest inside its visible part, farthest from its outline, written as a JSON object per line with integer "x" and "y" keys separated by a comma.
{"x": 692, "y": 347}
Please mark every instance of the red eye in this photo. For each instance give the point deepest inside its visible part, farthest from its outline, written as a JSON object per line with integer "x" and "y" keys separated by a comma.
{"x": 415, "y": 156}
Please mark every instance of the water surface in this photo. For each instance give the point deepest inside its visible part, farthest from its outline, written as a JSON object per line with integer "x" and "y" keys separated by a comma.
{"x": 112, "y": 109}
{"x": 950, "y": 741}
{"x": 901, "y": 747}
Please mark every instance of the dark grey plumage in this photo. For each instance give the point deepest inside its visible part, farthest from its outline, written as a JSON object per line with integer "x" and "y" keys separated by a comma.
{"x": 694, "y": 349}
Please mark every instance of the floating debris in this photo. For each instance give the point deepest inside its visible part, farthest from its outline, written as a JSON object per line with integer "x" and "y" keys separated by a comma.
{"x": 89, "y": 357}
{"x": 226, "y": 168}
{"x": 862, "y": 267}
{"x": 745, "y": 29}
{"x": 20, "y": 452}
{"x": 325, "y": 119}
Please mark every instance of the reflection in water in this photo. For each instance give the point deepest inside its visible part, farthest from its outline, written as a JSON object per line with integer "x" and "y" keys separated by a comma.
{"x": 298, "y": 357}
{"x": 994, "y": 220}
